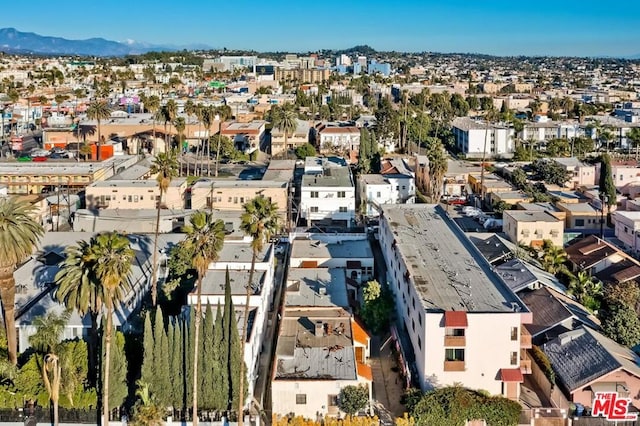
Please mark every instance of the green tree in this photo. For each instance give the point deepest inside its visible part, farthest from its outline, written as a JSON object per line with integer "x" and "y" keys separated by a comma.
{"x": 260, "y": 222}
{"x": 19, "y": 235}
{"x": 176, "y": 368}
{"x": 207, "y": 390}
{"x": 554, "y": 258}
{"x": 206, "y": 237}
{"x": 378, "y": 306}
{"x": 236, "y": 371}
{"x": 152, "y": 104}
{"x": 220, "y": 362}
{"x": 118, "y": 387}
{"x": 606, "y": 185}
{"x": 353, "y": 399}
{"x": 161, "y": 360}
{"x": 633, "y": 136}
{"x": 148, "y": 411}
{"x": 586, "y": 290}
{"x": 620, "y": 323}
{"x": 165, "y": 167}
{"x": 148, "y": 371}
{"x": 98, "y": 110}
{"x": 519, "y": 178}
{"x": 437, "y": 169}
{"x": 551, "y": 172}
{"x": 75, "y": 374}
{"x": 287, "y": 121}
{"x": 305, "y": 150}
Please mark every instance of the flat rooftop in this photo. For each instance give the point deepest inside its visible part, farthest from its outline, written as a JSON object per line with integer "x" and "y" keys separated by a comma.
{"x": 239, "y": 183}
{"x": 332, "y": 176}
{"x": 316, "y": 287}
{"x": 579, "y": 208}
{"x": 302, "y": 354}
{"x": 53, "y": 168}
{"x": 213, "y": 283}
{"x": 315, "y": 249}
{"x": 241, "y": 252}
{"x": 373, "y": 179}
{"x": 531, "y": 216}
{"x": 134, "y": 183}
{"x": 447, "y": 270}
{"x": 279, "y": 170}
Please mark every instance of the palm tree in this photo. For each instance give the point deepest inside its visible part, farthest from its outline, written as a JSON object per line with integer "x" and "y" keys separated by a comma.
{"x": 490, "y": 116}
{"x": 19, "y": 235}
{"x": 170, "y": 114}
{"x": 634, "y": 136}
{"x": 261, "y": 222}
{"x": 554, "y": 259}
{"x": 46, "y": 339}
{"x": 200, "y": 112}
{"x": 111, "y": 256}
{"x": 287, "y": 121}
{"x": 165, "y": 166}
{"x": 98, "y": 110}
{"x": 209, "y": 117}
{"x": 180, "y": 124}
{"x": 206, "y": 238}
{"x": 153, "y": 105}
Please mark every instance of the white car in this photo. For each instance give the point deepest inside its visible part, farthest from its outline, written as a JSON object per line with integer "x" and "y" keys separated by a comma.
{"x": 468, "y": 208}
{"x": 473, "y": 213}
{"x": 279, "y": 250}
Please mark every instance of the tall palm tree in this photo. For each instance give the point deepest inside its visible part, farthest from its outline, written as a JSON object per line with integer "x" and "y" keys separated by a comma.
{"x": 170, "y": 113}
{"x": 46, "y": 340}
{"x": 490, "y": 116}
{"x": 98, "y": 110}
{"x": 201, "y": 113}
{"x": 287, "y": 121}
{"x": 554, "y": 259}
{"x": 206, "y": 238}
{"x": 165, "y": 166}
{"x": 19, "y": 235}
{"x": 111, "y": 256}
{"x": 153, "y": 105}
{"x": 261, "y": 222}
{"x": 180, "y": 124}
{"x": 211, "y": 115}
{"x": 634, "y": 136}
{"x": 583, "y": 286}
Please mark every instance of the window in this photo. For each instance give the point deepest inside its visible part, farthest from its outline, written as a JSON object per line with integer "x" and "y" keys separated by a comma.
{"x": 342, "y": 194}
{"x": 514, "y": 358}
{"x": 454, "y": 354}
{"x": 342, "y": 209}
{"x": 314, "y": 194}
{"x": 301, "y": 398}
{"x": 314, "y": 209}
{"x": 457, "y": 332}
{"x": 241, "y": 200}
{"x": 419, "y": 343}
{"x": 579, "y": 222}
{"x": 235, "y": 200}
{"x": 514, "y": 334}
{"x": 230, "y": 199}
{"x": 397, "y": 187}
{"x": 378, "y": 194}
{"x": 332, "y": 400}
{"x": 404, "y": 187}
{"x": 135, "y": 198}
{"x": 129, "y": 198}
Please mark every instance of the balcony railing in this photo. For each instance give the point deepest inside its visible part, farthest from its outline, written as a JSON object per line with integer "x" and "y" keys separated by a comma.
{"x": 454, "y": 366}
{"x": 525, "y": 339}
{"x": 525, "y": 366}
{"x": 459, "y": 341}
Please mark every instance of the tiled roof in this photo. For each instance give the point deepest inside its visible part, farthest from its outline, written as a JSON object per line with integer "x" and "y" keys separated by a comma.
{"x": 547, "y": 310}
{"x": 359, "y": 335}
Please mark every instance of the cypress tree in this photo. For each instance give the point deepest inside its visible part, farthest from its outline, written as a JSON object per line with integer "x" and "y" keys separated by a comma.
{"x": 220, "y": 361}
{"x": 147, "y": 373}
{"x": 175, "y": 369}
{"x": 206, "y": 390}
{"x": 226, "y": 336}
{"x": 189, "y": 338}
{"x": 161, "y": 366}
{"x": 236, "y": 358}
{"x": 118, "y": 388}
{"x": 606, "y": 184}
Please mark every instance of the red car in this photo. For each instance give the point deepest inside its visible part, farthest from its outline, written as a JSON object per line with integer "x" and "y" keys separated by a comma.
{"x": 40, "y": 159}
{"x": 457, "y": 201}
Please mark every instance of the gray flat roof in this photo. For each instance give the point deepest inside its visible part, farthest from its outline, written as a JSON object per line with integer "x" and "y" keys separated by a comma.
{"x": 134, "y": 183}
{"x": 241, "y": 252}
{"x": 303, "y": 355}
{"x": 579, "y": 207}
{"x": 332, "y": 176}
{"x": 531, "y": 216}
{"x": 239, "y": 183}
{"x": 373, "y": 179}
{"x": 305, "y": 249}
{"x": 279, "y": 170}
{"x": 213, "y": 282}
{"x": 316, "y": 287}
{"x": 447, "y": 270}
{"x": 67, "y": 167}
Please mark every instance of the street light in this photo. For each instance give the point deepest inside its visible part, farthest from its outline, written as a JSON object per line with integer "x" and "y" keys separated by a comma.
{"x": 603, "y": 199}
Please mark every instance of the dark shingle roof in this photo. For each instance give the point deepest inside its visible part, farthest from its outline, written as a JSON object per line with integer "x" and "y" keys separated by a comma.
{"x": 493, "y": 249}
{"x": 546, "y": 309}
{"x": 619, "y": 272}
{"x": 581, "y": 356}
{"x": 589, "y": 251}
{"x": 516, "y": 275}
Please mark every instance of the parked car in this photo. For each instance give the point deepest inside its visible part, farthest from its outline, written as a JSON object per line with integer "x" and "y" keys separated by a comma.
{"x": 474, "y": 213}
{"x": 493, "y": 223}
{"x": 279, "y": 249}
{"x": 40, "y": 159}
{"x": 457, "y": 201}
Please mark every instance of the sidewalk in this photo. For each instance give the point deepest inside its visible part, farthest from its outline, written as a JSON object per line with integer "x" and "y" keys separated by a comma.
{"x": 387, "y": 383}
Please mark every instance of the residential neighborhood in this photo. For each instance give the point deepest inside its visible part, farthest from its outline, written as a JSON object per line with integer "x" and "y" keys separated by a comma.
{"x": 270, "y": 238}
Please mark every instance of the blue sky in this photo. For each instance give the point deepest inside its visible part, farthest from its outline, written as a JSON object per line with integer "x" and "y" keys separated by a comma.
{"x": 561, "y": 27}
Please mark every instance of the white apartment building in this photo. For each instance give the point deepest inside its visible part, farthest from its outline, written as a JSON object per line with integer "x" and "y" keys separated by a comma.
{"x": 328, "y": 195}
{"x": 462, "y": 322}
{"x": 236, "y": 256}
{"x": 331, "y": 137}
{"x": 401, "y": 178}
{"x": 373, "y": 191}
{"x": 627, "y": 228}
{"x": 473, "y": 138}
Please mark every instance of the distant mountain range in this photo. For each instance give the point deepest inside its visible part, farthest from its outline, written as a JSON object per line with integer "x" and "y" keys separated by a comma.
{"x": 14, "y": 41}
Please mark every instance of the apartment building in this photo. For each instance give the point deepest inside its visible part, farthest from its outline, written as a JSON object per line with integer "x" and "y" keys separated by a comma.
{"x": 300, "y": 136}
{"x": 401, "y": 178}
{"x": 317, "y": 321}
{"x": 580, "y": 174}
{"x": 476, "y": 139}
{"x": 580, "y": 216}
{"x": 246, "y": 137}
{"x": 331, "y": 137}
{"x": 231, "y": 195}
{"x": 135, "y": 194}
{"x": 462, "y": 322}
{"x": 328, "y": 195}
{"x": 236, "y": 256}
{"x": 531, "y": 228}
{"x": 627, "y": 228}
{"x": 373, "y": 191}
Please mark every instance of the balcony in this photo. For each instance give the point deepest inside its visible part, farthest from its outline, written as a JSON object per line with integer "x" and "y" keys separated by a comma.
{"x": 454, "y": 366}
{"x": 525, "y": 366}
{"x": 459, "y": 341}
{"x": 525, "y": 339}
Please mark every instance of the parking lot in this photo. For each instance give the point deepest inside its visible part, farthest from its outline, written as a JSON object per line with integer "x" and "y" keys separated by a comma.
{"x": 468, "y": 224}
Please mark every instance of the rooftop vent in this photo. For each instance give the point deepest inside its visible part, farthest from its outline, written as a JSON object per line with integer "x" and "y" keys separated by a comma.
{"x": 319, "y": 328}
{"x": 322, "y": 291}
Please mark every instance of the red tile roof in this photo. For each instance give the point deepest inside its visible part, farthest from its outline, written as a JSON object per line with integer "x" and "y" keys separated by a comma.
{"x": 455, "y": 319}
{"x": 511, "y": 375}
{"x": 359, "y": 335}
{"x": 365, "y": 371}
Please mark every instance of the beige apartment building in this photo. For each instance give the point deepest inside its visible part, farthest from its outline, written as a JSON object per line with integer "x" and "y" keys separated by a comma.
{"x": 134, "y": 194}
{"x": 531, "y": 228}
{"x": 230, "y": 195}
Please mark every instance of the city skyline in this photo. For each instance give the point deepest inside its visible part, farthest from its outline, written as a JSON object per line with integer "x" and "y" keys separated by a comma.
{"x": 500, "y": 28}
